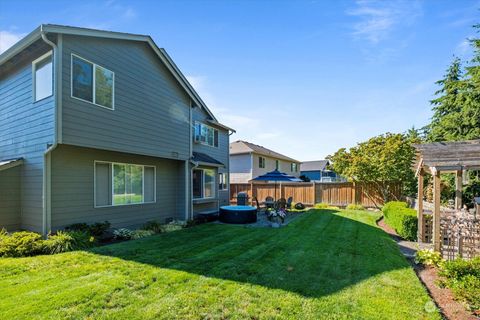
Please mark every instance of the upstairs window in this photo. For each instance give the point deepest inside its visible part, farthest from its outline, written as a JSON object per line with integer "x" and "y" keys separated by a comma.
{"x": 92, "y": 83}
{"x": 206, "y": 135}
{"x": 294, "y": 167}
{"x": 43, "y": 77}
{"x": 261, "y": 162}
{"x": 277, "y": 164}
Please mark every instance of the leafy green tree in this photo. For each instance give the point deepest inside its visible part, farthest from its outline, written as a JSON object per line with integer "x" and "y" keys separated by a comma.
{"x": 380, "y": 161}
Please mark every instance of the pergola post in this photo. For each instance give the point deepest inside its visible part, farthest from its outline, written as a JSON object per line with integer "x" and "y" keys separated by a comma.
{"x": 421, "y": 224}
{"x": 458, "y": 189}
{"x": 436, "y": 211}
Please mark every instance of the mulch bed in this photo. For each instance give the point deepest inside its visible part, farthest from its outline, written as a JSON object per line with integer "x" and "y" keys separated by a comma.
{"x": 443, "y": 297}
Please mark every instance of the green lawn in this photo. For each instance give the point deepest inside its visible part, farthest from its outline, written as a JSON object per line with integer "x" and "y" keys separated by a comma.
{"x": 325, "y": 264}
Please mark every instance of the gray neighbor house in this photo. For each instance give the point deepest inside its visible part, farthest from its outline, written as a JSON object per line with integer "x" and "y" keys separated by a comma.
{"x": 98, "y": 125}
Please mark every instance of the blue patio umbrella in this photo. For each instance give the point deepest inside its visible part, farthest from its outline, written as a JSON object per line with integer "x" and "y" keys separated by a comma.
{"x": 276, "y": 176}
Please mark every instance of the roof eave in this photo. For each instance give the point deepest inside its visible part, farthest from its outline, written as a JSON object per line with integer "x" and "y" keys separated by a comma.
{"x": 20, "y": 45}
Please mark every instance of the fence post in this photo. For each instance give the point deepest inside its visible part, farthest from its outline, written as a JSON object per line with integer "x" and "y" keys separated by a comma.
{"x": 354, "y": 187}
{"x": 314, "y": 193}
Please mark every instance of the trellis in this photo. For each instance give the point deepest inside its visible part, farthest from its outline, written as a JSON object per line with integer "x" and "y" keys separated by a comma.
{"x": 456, "y": 234}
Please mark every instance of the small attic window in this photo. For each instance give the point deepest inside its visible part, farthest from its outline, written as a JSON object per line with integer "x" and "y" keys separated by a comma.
{"x": 42, "y": 77}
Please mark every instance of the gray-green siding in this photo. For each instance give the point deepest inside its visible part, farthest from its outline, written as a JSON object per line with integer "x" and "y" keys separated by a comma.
{"x": 10, "y": 196}
{"x": 151, "y": 109}
{"x": 73, "y": 191}
{"x": 27, "y": 128}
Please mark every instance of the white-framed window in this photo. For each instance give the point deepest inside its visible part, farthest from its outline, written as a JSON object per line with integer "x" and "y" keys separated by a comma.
{"x": 118, "y": 184}
{"x": 203, "y": 183}
{"x": 223, "y": 181}
{"x": 92, "y": 83}
{"x": 261, "y": 162}
{"x": 42, "y": 69}
{"x": 205, "y": 134}
{"x": 294, "y": 167}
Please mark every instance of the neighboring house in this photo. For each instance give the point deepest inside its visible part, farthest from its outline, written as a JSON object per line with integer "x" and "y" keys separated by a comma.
{"x": 99, "y": 125}
{"x": 248, "y": 161}
{"x": 318, "y": 171}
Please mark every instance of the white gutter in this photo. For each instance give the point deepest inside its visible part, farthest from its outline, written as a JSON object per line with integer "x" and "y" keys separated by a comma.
{"x": 47, "y": 206}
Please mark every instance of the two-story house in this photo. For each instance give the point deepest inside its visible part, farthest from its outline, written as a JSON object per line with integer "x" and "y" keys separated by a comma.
{"x": 98, "y": 125}
{"x": 319, "y": 171}
{"x": 248, "y": 161}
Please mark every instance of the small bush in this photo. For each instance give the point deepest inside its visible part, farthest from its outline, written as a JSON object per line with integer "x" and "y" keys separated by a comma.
{"x": 153, "y": 226}
{"x": 21, "y": 244}
{"x": 321, "y": 205}
{"x": 401, "y": 218}
{"x": 173, "y": 226}
{"x": 428, "y": 257}
{"x": 64, "y": 241}
{"x": 463, "y": 277}
{"x": 355, "y": 207}
{"x": 77, "y": 227}
{"x": 299, "y": 206}
{"x": 97, "y": 229}
{"x": 123, "y": 234}
{"x": 138, "y": 234}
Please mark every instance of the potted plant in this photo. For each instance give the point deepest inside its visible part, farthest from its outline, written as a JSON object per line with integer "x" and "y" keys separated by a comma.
{"x": 277, "y": 217}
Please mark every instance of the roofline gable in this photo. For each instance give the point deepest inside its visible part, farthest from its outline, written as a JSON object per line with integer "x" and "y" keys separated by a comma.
{"x": 161, "y": 53}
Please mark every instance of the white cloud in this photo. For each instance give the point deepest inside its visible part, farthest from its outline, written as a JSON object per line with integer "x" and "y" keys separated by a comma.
{"x": 463, "y": 48}
{"x": 377, "y": 19}
{"x": 8, "y": 39}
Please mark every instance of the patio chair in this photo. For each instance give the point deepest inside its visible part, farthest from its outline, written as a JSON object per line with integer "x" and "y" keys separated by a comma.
{"x": 281, "y": 204}
{"x": 289, "y": 202}
{"x": 259, "y": 208}
{"x": 269, "y": 202}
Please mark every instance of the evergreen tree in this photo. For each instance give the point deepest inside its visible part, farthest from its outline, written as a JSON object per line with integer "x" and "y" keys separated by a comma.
{"x": 447, "y": 107}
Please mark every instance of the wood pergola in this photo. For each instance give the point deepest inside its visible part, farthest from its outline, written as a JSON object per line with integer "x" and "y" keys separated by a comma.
{"x": 443, "y": 157}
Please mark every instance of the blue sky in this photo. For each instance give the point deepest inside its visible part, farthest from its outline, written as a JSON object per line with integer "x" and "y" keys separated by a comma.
{"x": 301, "y": 77}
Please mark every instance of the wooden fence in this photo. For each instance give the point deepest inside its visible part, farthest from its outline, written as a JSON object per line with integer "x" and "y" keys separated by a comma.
{"x": 334, "y": 193}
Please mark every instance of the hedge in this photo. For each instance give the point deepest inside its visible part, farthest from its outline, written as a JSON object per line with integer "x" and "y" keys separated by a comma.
{"x": 401, "y": 218}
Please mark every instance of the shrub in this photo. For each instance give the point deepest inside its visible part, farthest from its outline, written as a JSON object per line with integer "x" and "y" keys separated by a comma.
{"x": 321, "y": 205}
{"x": 97, "y": 229}
{"x": 173, "y": 226}
{"x": 153, "y": 226}
{"x": 428, "y": 257}
{"x": 299, "y": 206}
{"x": 122, "y": 234}
{"x": 21, "y": 244}
{"x": 401, "y": 218}
{"x": 463, "y": 277}
{"x": 138, "y": 234}
{"x": 355, "y": 207}
{"x": 64, "y": 241}
{"x": 77, "y": 227}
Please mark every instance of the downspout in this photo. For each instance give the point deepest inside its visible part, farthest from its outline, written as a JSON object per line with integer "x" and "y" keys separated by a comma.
{"x": 189, "y": 190}
{"x": 46, "y": 208}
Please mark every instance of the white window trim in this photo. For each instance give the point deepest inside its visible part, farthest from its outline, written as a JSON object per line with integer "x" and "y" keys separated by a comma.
{"x": 263, "y": 162}
{"x": 226, "y": 184}
{"x": 111, "y": 191}
{"x": 34, "y": 77}
{"x": 93, "y": 83}
{"x": 203, "y": 186}
{"x": 205, "y": 143}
